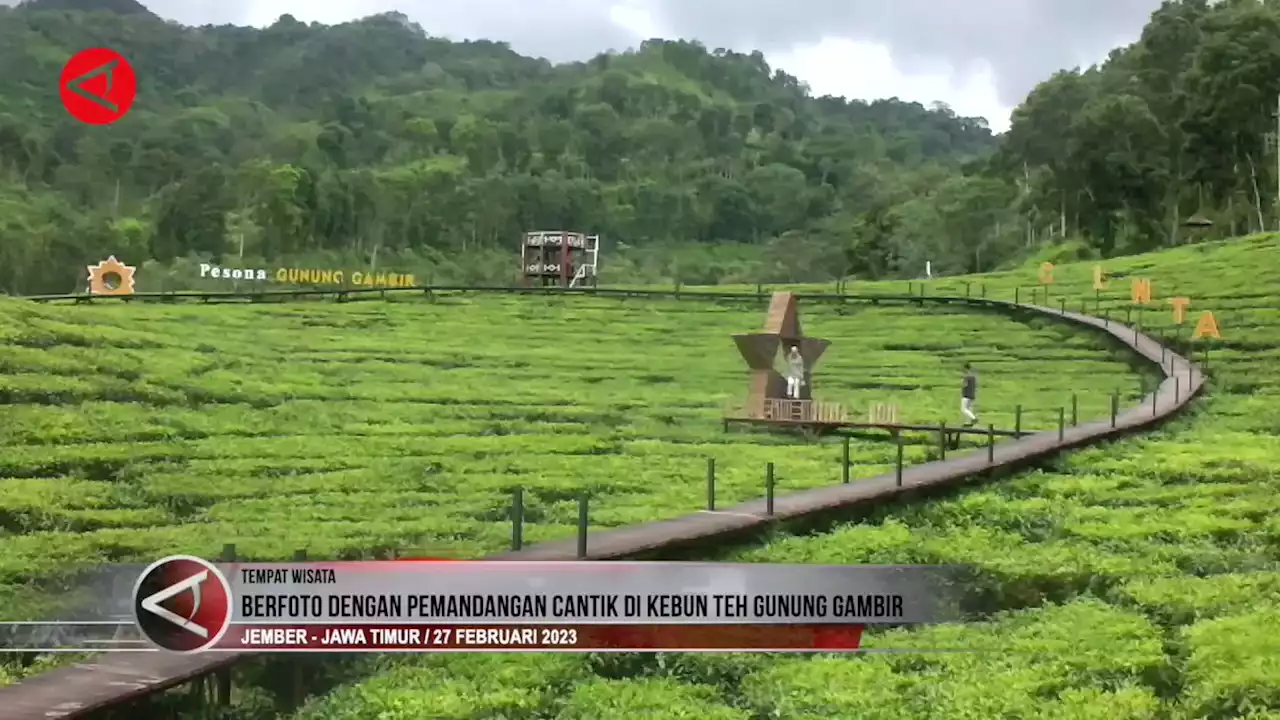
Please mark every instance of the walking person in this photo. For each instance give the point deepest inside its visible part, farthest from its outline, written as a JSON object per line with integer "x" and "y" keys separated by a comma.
{"x": 795, "y": 373}
{"x": 969, "y": 396}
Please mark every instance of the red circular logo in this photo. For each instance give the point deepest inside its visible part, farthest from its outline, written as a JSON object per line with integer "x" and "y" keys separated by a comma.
{"x": 98, "y": 86}
{"x": 182, "y": 604}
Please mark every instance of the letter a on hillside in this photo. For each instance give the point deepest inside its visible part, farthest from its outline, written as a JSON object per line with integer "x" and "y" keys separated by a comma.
{"x": 1046, "y": 274}
{"x": 1179, "y": 309}
{"x": 1206, "y": 326}
{"x": 1141, "y": 291}
{"x": 1099, "y": 278}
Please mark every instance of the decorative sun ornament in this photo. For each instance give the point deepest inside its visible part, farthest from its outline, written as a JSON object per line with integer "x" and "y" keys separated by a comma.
{"x": 111, "y": 277}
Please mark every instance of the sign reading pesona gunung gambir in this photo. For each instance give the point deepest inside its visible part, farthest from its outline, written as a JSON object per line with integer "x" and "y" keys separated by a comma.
{"x": 309, "y": 276}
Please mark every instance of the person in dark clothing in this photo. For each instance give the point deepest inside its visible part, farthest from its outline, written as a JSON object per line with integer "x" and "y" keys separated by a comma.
{"x": 969, "y": 396}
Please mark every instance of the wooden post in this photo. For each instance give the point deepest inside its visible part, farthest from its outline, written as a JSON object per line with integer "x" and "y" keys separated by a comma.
{"x": 1177, "y": 389}
{"x": 1062, "y": 423}
{"x": 1075, "y": 410}
{"x": 1097, "y": 300}
{"x": 299, "y": 687}
{"x": 1115, "y": 406}
{"x": 768, "y": 489}
{"x": 1062, "y": 305}
{"x": 1128, "y": 315}
{"x": 711, "y": 483}
{"x": 1155, "y": 396}
{"x": 1017, "y": 421}
{"x": 517, "y": 519}
{"x": 911, "y": 289}
{"x": 898, "y": 471}
{"x": 966, "y": 289}
{"x": 582, "y": 526}
{"x": 991, "y": 443}
{"x": 1106, "y": 319}
{"x": 1017, "y": 292}
{"x": 844, "y": 462}
{"x": 942, "y": 440}
{"x": 224, "y": 675}
{"x": 1035, "y": 296}
{"x": 984, "y": 290}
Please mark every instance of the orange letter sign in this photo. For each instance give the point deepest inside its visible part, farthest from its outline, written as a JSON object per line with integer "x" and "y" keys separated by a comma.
{"x": 1179, "y": 309}
{"x": 1099, "y": 279}
{"x": 1207, "y": 326}
{"x": 1141, "y": 291}
{"x": 1046, "y": 274}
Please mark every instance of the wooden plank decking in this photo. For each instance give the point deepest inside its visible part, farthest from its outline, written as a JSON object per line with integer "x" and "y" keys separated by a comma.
{"x": 891, "y": 427}
{"x": 78, "y": 690}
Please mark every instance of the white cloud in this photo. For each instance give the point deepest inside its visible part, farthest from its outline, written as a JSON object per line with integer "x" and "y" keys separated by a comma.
{"x": 863, "y": 71}
{"x": 866, "y": 71}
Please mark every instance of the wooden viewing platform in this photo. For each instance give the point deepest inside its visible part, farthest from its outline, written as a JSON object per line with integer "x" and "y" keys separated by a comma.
{"x": 824, "y": 417}
{"x": 112, "y": 681}
{"x": 807, "y": 412}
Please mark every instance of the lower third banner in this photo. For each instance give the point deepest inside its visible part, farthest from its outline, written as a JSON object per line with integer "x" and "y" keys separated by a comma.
{"x": 568, "y": 637}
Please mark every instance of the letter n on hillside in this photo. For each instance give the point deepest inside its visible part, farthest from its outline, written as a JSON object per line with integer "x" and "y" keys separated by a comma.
{"x": 1140, "y": 292}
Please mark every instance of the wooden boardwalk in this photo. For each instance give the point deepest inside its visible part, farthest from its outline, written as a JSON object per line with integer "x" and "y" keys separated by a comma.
{"x": 116, "y": 679}
{"x": 893, "y": 428}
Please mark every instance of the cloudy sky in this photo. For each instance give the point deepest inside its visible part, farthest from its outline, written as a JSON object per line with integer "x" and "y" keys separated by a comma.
{"x": 978, "y": 56}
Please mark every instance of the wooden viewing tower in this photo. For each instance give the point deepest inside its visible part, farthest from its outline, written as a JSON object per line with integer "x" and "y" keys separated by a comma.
{"x": 767, "y": 400}
{"x": 558, "y": 258}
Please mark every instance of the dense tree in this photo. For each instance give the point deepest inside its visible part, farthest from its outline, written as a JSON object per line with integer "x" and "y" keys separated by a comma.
{"x": 1180, "y": 123}
{"x": 371, "y": 137}
{"x": 372, "y": 142}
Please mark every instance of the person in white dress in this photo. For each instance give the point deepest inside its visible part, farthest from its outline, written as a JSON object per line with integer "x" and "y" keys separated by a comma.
{"x": 795, "y": 373}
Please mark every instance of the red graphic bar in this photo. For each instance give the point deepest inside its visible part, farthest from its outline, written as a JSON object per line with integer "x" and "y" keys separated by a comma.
{"x": 570, "y": 637}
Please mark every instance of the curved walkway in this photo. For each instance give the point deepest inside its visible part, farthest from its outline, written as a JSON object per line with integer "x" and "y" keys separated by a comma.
{"x": 79, "y": 690}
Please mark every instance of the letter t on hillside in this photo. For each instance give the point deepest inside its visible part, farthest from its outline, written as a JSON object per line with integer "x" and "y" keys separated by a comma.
{"x": 1179, "y": 309}
{"x": 1099, "y": 278}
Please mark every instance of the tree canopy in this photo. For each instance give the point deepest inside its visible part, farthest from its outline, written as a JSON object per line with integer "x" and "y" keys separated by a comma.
{"x": 372, "y": 139}
{"x": 1178, "y": 126}
{"x": 372, "y": 136}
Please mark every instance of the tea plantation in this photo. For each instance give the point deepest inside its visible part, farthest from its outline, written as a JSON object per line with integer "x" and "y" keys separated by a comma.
{"x": 1137, "y": 580}
{"x": 133, "y": 431}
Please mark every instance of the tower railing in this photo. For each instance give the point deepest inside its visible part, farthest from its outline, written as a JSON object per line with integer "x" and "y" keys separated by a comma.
{"x": 786, "y": 410}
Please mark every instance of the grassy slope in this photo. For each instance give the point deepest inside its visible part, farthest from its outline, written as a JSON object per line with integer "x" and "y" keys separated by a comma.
{"x": 1140, "y": 580}
{"x": 134, "y": 431}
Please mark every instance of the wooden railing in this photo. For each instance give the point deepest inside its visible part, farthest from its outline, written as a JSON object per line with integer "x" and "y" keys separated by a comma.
{"x": 883, "y": 414}
{"x": 797, "y": 411}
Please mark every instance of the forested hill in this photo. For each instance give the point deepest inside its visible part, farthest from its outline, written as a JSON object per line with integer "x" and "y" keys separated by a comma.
{"x": 373, "y": 143}
{"x": 373, "y": 140}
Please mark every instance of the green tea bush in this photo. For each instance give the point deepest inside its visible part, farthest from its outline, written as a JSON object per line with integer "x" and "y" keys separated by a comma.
{"x": 1025, "y": 665}
{"x": 133, "y": 431}
{"x": 1137, "y": 580}
{"x": 341, "y": 428}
